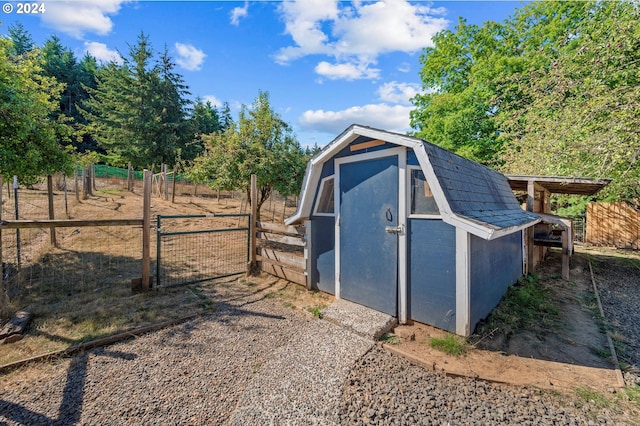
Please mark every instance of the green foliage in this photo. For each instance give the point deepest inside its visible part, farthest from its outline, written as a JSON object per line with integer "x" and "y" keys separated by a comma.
{"x": 450, "y": 344}
{"x": 260, "y": 143}
{"x": 30, "y": 140}
{"x": 390, "y": 339}
{"x": 60, "y": 63}
{"x": 316, "y": 311}
{"x": 137, "y": 112}
{"x": 581, "y": 111}
{"x": 554, "y": 89}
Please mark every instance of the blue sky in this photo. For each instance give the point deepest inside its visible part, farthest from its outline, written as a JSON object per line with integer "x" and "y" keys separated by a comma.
{"x": 325, "y": 64}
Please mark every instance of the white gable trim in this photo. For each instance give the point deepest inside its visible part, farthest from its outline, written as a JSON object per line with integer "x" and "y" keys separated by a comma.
{"x": 312, "y": 178}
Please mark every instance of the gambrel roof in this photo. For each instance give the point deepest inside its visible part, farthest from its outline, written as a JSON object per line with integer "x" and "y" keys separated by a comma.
{"x": 469, "y": 195}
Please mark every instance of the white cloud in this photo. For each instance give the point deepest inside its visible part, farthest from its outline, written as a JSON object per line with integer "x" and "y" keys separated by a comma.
{"x": 215, "y": 102}
{"x": 77, "y": 18}
{"x": 357, "y": 32}
{"x": 239, "y": 12}
{"x": 399, "y": 93}
{"x": 189, "y": 57}
{"x": 101, "y": 52}
{"x": 404, "y": 67}
{"x": 347, "y": 71}
{"x": 383, "y": 116}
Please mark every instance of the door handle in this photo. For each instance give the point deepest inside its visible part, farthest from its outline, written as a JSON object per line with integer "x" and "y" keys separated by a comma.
{"x": 398, "y": 230}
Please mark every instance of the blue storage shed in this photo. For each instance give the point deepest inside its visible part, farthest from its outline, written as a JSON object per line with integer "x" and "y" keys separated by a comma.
{"x": 410, "y": 229}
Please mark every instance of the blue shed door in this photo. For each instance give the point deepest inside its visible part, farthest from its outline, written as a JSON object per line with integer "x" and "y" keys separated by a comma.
{"x": 368, "y": 253}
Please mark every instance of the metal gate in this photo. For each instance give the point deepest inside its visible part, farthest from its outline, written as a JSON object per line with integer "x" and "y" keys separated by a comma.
{"x": 196, "y": 248}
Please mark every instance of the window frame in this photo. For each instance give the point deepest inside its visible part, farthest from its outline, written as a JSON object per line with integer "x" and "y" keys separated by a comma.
{"x": 319, "y": 197}
{"x": 410, "y": 215}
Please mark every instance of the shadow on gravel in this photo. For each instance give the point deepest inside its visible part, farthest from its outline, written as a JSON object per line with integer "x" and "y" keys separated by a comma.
{"x": 70, "y": 410}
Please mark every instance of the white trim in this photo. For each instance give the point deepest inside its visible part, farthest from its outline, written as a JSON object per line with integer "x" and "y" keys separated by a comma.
{"x": 391, "y": 152}
{"x": 320, "y": 190}
{"x": 314, "y": 169}
{"x": 463, "y": 282}
{"x": 408, "y": 196}
{"x": 402, "y": 237}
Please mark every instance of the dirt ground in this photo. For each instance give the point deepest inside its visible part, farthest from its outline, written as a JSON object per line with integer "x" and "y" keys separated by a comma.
{"x": 81, "y": 290}
{"x": 571, "y": 353}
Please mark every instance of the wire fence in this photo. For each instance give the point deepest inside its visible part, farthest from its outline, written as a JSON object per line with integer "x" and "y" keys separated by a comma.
{"x": 196, "y": 248}
{"x": 87, "y": 263}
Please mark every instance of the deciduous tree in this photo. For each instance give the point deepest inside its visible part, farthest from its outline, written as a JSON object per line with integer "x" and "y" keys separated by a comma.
{"x": 260, "y": 143}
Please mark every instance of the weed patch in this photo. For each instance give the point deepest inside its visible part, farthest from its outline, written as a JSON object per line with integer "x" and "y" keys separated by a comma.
{"x": 526, "y": 305}
{"x": 390, "y": 338}
{"x": 450, "y": 344}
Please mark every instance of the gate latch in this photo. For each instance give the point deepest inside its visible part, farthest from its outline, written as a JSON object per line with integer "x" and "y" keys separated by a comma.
{"x": 398, "y": 230}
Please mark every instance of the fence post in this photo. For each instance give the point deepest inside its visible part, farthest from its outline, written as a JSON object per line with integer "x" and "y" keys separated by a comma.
{"x": 129, "y": 178}
{"x": 2, "y": 295}
{"x": 146, "y": 231}
{"x": 75, "y": 183}
{"x": 15, "y": 196}
{"x": 253, "y": 264}
{"x": 52, "y": 230}
{"x": 93, "y": 178}
{"x": 165, "y": 167}
{"x": 173, "y": 187}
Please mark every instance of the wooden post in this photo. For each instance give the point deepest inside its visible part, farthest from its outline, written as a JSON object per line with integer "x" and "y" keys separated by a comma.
{"x": 146, "y": 231}
{"x": 530, "y": 230}
{"x": 75, "y": 183}
{"x": 129, "y": 178}
{"x": 52, "y": 231}
{"x": 253, "y": 264}
{"x": 566, "y": 255}
{"x": 165, "y": 167}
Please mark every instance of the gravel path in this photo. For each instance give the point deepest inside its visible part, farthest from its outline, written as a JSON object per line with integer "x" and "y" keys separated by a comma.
{"x": 256, "y": 362}
{"x": 193, "y": 373}
{"x": 619, "y": 287}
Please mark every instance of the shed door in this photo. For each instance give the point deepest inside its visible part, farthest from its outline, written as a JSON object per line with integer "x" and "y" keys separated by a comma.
{"x": 368, "y": 252}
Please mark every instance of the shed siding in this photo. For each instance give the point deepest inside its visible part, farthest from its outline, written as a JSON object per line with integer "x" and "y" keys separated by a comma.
{"x": 432, "y": 273}
{"x": 495, "y": 265}
{"x": 322, "y": 254}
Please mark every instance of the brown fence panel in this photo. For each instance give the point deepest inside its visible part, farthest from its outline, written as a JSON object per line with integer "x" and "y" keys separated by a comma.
{"x": 614, "y": 225}
{"x": 280, "y": 251}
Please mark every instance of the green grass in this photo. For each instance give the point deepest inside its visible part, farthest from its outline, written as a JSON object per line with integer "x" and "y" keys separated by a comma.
{"x": 450, "y": 344}
{"x": 526, "y": 305}
{"x": 316, "y": 311}
{"x": 390, "y": 338}
{"x": 588, "y": 395}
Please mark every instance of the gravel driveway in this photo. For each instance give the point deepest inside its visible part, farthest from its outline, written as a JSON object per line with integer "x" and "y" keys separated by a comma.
{"x": 238, "y": 366}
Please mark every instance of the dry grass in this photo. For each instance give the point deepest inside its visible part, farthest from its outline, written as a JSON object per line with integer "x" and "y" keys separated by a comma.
{"x": 81, "y": 290}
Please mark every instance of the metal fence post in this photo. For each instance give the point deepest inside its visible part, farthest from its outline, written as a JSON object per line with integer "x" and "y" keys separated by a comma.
{"x": 2, "y": 295}
{"x": 146, "y": 232}
{"x": 15, "y": 193}
{"x": 158, "y": 249}
{"x": 52, "y": 230}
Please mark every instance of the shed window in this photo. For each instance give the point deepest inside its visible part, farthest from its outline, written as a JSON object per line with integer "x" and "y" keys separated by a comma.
{"x": 324, "y": 204}
{"x": 422, "y": 201}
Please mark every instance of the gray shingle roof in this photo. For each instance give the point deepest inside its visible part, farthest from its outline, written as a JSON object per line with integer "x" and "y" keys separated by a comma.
{"x": 475, "y": 191}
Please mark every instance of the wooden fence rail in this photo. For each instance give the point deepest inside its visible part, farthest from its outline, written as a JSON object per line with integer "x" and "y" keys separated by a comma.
{"x": 614, "y": 225}
{"x": 280, "y": 251}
